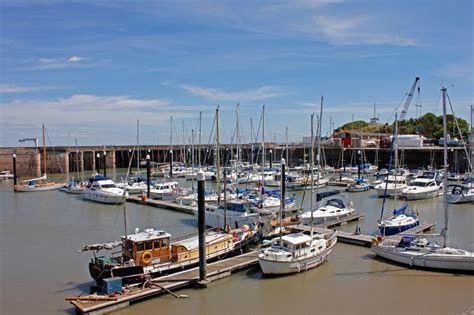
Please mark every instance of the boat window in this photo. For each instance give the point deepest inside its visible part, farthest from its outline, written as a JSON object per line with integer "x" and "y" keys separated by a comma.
{"x": 109, "y": 186}
{"x": 140, "y": 247}
{"x": 165, "y": 242}
{"x": 156, "y": 244}
{"x": 148, "y": 245}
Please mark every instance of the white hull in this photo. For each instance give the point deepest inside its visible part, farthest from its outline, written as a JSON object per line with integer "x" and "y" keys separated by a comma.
{"x": 319, "y": 219}
{"x": 271, "y": 267}
{"x": 421, "y": 194}
{"x": 438, "y": 261}
{"x": 104, "y": 197}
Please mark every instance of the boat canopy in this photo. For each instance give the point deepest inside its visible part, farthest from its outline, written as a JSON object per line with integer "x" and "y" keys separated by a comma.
{"x": 406, "y": 240}
{"x": 336, "y": 203}
{"x": 321, "y": 195}
{"x": 97, "y": 177}
{"x": 400, "y": 210}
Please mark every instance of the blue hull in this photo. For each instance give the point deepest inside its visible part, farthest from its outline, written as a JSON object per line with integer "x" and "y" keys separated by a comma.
{"x": 398, "y": 229}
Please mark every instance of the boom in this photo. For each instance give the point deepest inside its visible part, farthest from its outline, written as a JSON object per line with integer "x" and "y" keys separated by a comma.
{"x": 408, "y": 100}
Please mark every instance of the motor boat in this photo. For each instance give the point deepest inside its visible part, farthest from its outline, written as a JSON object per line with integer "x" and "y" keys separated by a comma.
{"x": 104, "y": 190}
{"x": 423, "y": 187}
{"x": 392, "y": 187}
{"x": 332, "y": 210}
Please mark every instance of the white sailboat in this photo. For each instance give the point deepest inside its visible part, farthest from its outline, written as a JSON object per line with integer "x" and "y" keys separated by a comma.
{"x": 41, "y": 183}
{"x": 420, "y": 252}
{"x": 296, "y": 252}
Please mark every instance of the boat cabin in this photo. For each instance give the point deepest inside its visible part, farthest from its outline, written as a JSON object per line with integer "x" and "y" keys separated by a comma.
{"x": 148, "y": 247}
{"x": 187, "y": 250}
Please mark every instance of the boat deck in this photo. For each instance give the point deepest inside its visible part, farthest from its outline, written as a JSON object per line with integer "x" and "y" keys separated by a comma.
{"x": 215, "y": 271}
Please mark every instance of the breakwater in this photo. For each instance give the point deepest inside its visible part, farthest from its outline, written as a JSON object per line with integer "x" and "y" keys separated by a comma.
{"x": 63, "y": 159}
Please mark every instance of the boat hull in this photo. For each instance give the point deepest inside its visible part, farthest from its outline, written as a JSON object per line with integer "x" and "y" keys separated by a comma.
{"x": 39, "y": 187}
{"x": 271, "y": 267}
{"x": 421, "y": 195}
{"x": 426, "y": 261}
{"x": 104, "y": 198}
{"x": 392, "y": 230}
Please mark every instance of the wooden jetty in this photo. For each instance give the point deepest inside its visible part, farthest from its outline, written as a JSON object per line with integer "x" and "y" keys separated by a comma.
{"x": 158, "y": 286}
{"x": 366, "y": 240}
{"x": 352, "y": 238}
{"x": 162, "y": 204}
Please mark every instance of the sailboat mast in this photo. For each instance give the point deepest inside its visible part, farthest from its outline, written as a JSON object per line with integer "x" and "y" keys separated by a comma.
{"x": 318, "y": 133}
{"x": 286, "y": 136}
{"x": 282, "y": 198}
{"x": 171, "y": 139}
{"x": 251, "y": 141}
{"x": 218, "y": 162}
{"x": 311, "y": 170}
{"x": 263, "y": 146}
{"x": 238, "y": 133}
{"x": 444, "y": 230}
{"x": 200, "y": 132}
{"x": 395, "y": 144}
{"x": 44, "y": 152}
{"x": 138, "y": 146}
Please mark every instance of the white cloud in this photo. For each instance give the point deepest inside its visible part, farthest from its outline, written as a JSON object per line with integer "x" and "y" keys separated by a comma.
{"x": 61, "y": 63}
{"x": 12, "y": 88}
{"x": 261, "y": 93}
{"x": 351, "y": 30}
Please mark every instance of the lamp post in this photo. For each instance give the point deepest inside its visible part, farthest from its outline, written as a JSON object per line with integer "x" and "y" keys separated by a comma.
{"x": 105, "y": 163}
{"x": 97, "y": 159}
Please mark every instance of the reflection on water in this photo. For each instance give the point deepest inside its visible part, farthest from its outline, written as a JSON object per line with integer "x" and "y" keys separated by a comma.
{"x": 40, "y": 235}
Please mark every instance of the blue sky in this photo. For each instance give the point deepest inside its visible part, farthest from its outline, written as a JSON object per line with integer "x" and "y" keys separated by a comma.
{"x": 88, "y": 69}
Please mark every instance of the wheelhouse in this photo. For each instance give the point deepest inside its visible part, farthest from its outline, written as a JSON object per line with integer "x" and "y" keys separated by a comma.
{"x": 148, "y": 247}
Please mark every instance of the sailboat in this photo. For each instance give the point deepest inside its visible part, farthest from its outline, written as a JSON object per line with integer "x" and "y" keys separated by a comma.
{"x": 296, "y": 252}
{"x": 400, "y": 221}
{"x": 39, "y": 184}
{"x": 420, "y": 252}
{"x": 360, "y": 184}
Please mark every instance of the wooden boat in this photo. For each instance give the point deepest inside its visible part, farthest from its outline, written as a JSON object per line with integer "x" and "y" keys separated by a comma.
{"x": 39, "y": 184}
{"x": 153, "y": 252}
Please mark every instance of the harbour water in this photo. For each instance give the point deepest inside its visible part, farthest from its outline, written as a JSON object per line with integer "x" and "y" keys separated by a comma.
{"x": 40, "y": 234}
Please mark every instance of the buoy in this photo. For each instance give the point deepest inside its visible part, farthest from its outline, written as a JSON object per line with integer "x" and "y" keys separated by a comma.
{"x": 143, "y": 197}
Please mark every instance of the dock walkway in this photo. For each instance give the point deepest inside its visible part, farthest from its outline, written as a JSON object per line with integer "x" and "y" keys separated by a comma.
{"x": 162, "y": 204}
{"x": 215, "y": 271}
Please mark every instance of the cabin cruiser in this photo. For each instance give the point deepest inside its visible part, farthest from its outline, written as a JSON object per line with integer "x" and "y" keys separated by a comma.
{"x": 332, "y": 210}
{"x": 5, "y": 174}
{"x": 163, "y": 190}
{"x": 153, "y": 252}
{"x": 135, "y": 185}
{"x": 295, "y": 253}
{"x": 104, "y": 190}
{"x": 460, "y": 193}
{"x": 392, "y": 187}
{"x": 399, "y": 222}
{"x": 423, "y": 187}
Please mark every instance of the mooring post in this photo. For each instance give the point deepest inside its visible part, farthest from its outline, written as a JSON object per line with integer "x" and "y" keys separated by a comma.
{"x": 201, "y": 229}
{"x": 14, "y": 171}
{"x": 171, "y": 163}
{"x": 148, "y": 176}
{"x": 104, "y": 158}
{"x": 97, "y": 166}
